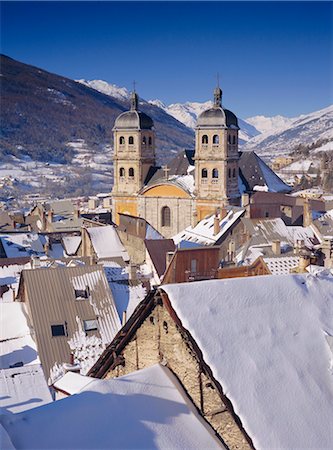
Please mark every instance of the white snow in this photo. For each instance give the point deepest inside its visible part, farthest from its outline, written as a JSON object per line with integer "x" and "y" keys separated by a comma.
{"x": 17, "y": 245}
{"x": 269, "y": 124}
{"x": 113, "y": 90}
{"x": 281, "y": 265}
{"x": 203, "y": 232}
{"x": 146, "y": 409}
{"x": 106, "y": 242}
{"x": 71, "y": 244}
{"x": 23, "y": 388}
{"x": 264, "y": 339}
{"x": 72, "y": 383}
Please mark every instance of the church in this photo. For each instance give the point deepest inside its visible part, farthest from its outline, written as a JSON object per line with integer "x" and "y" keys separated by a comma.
{"x": 196, "y": 183}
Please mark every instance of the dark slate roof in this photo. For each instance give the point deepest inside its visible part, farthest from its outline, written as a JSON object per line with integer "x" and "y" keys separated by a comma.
{"x": 254, "y": 172}
{"x": 157, "y": 249}
{"x": 217, "y": 117}
{"x": 133, "y": 120}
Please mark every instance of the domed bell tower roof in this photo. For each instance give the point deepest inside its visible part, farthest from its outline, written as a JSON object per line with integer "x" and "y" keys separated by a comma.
{"x": 133, "y": 119}
{"x": 217, "y": 116}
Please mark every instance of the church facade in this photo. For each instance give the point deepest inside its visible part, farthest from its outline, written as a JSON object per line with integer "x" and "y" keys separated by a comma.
{"x": 195, "y": 184}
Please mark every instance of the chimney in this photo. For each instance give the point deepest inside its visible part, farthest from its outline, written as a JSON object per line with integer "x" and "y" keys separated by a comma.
{"x": 77, "y": 213}
{"x": 46, "y": 248}
{"x": 124, "y": 318}
{"x": 35, "y": 262}
{"x": 168, "y": 257}
{"x": 276, "y": 247}
{"x": 245, "y": 200}
{"x": 132, "y": 272}
{"x": 327, "y": 249}
{"x": 194, "y": 218}
{"x": 304, "y": 260}
{"x": 307, "y": 213}
{"x": 50, "y": 216}
{"x": 216, "y": 224}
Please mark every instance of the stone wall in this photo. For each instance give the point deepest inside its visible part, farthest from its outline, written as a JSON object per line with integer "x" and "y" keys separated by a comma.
{"x": 160, "y": 340}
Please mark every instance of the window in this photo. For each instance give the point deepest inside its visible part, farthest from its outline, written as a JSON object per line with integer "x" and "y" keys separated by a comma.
{"x": 204, "y": 173}
{"x": 215, "y": 173}
{"x": 131, "y": 140}
{"x": 144, "y": 140}
{"x": 150, "y": 141}
{"x": 216, "y": 139}
{"x": 229, "y": 173}
{"x": 121, "y": 140}
{"x": 82, "y": 294}
{"x": 234, "y": 139}
{"x": 229, "y": 139}
{"x": 234, "y": 173}
{"x": 204, "y": 139}
{"x": 121, "y": 172}
{"x": 90, "y": 325}
{"x": 58, "y": 330}
{"x": 131, "y": 172}
{"x": 193, "y": 265}
{"x": 165, "y": 216}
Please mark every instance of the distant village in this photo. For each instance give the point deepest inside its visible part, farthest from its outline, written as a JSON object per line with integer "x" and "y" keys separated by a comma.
{"x": 191, "y": 307}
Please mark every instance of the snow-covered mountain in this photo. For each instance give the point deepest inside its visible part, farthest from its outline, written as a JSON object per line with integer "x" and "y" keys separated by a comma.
{"x": 314, "y": 129}
{"x": 270, "y": 124}
{"x": 188, "y": 112}
{"x": 107, "y": 88}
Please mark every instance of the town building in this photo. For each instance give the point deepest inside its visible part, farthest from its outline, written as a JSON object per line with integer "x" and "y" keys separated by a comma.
{"x": 195, "y": 183}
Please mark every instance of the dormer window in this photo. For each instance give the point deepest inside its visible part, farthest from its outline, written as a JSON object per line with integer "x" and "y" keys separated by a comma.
{"x": 90, "y": 325}
{"x": 82, "y": 294}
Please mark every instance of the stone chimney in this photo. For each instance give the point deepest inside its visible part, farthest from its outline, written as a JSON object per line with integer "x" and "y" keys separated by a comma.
{"x": 216, "y": 223}
{"x": 168, "y": 258}
{"x": 327, "y": 249}
{"x": 245, "y": 200}
{"x": 276, "y": 247}
{"x": 307, "y": 213}
{"x": 132, "y": 272}
{"x": 304, "y": 260}
{"x": 50, "y": 216}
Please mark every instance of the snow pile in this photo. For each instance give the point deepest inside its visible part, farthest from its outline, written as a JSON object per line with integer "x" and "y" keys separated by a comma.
{"x": 146, "y": 409}
{"x": 72, "y": 383}
{"x": 265, "y": 341}
{"x": 71, "y": 244}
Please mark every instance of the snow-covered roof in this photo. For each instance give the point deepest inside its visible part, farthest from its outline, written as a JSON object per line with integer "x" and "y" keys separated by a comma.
{"x": 265, "y": 340}
{"x": 71, "y": 244}
{"x": 203, "y": 232}
{"x": 106, "y": 242}
{"x": 126, "y": 295}
{"x": 16, "y": 343}
{"x": 10, "y": 276}
{"x": 72, "y": 383}
{"x": 146, "y": 409}
{"x": 17, "y": 245}
{"x": 23, "y": 388}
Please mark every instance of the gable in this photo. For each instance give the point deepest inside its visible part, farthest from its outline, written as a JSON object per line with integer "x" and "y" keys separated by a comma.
{"x": 165, "y": 190}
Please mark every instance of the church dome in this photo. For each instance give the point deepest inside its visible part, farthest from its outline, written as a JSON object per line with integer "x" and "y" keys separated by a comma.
{"x": 133, "y": 119}
{"x": 217, "y": 117}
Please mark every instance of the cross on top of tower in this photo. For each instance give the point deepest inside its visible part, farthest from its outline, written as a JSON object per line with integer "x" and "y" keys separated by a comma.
{"x": 218, "y": 93}
{"x": 134, "y": 98}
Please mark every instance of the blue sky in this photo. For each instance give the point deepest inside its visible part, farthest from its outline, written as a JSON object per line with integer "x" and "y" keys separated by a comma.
{"x": 272, "y": 57}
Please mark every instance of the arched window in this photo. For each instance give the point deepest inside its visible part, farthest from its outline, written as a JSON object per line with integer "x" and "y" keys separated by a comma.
{"x": 150, "y": 141}
{"x": 165, "y": 216}
{"x": 121, "y": 172}
{"x": 131, "y": 172}
{"x": 204, "y": 139}
{"x": 144, "y": 140}
{"x": 204, "y": 173}
{"x": 234, "y": 139}
{"x": 229, "y": 173}
{"x": 234, "y": 173}
{"x": 131, "y": 140}
{"x": 229, "y": 139}
{"x": 215, "y": 173}
{"x": 216, "y": 139}
{"x": 121, "y": 140}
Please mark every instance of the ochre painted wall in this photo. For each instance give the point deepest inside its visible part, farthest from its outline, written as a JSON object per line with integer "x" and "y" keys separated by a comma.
{"x": 165, "y": 190}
